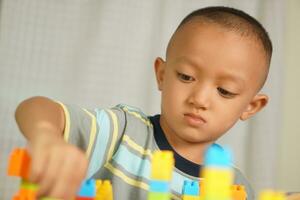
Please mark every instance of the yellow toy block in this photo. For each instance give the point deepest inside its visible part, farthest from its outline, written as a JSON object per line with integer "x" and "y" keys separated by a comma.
{"x": 217, "y": 175}
{"x": 103, "y": 190}
{"x": 162, "y": 165}
{"x": 216, "y": 182}
{"x": 190, "y": 197}
{"x": 158, "y": 196}
{"x": 271, "y": 195}
{"x": 238, "y": 192}
{"x": 28, "y": 185}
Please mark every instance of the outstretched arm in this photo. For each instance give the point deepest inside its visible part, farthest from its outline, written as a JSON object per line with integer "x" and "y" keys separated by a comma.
{"x": 57, "y": 167}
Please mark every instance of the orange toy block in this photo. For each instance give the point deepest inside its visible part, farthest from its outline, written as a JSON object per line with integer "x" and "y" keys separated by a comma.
{"x": 19, "y": 163}
{"x": 25, "y": 195}
{"x": 238, "y": 192}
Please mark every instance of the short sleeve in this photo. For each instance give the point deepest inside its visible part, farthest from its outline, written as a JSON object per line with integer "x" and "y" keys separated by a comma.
{"x": 97, "y": 132}
{"x": 240, "y": 179}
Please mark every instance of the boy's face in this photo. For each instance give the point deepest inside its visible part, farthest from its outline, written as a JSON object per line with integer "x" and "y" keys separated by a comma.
{"x": 209, "y": 80}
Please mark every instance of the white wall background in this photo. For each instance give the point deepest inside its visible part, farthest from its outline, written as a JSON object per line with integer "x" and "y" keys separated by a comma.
{"x": 99, "y": 53}
{"x": 289, "y": 162}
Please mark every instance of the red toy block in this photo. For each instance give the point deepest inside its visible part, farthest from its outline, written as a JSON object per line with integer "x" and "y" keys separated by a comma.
{"x": 84, "y": 198}
{"x": 238, "y": 192}
{"x": 19, "y": 163}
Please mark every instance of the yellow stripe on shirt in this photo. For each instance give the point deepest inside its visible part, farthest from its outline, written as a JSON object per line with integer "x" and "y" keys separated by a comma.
{"x": 67, "y": 121}
{"x": 138, "y": 115}
{"x": 92, "y": 133}
{"x": 125, "y": 178}
{"x": 130, "y": 181}
{"x": 137, "y": 147}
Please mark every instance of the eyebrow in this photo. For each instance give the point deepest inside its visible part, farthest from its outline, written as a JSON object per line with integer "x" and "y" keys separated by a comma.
{"x": 233, "y": 78}
{"x": 228, "y": 76}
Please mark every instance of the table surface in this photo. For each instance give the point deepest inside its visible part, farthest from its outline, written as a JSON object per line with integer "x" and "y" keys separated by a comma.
{"x": 295, "y": 196}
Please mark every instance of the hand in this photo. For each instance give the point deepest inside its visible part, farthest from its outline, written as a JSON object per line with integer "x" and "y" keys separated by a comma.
{"x": 57, "y": 167}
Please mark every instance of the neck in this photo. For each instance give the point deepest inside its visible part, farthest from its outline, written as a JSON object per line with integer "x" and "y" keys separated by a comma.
{"x": 191, "y": 151}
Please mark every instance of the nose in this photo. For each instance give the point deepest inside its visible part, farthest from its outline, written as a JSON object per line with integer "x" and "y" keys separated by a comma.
{"x": 200, "y": 97}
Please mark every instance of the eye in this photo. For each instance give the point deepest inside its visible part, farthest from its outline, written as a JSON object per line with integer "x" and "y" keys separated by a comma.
{"x": 184, "y": 77}
{"x": 226, "y": 93}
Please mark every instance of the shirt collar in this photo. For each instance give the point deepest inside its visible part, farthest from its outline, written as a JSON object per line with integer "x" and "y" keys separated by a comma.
{"x": 181, "y": 163}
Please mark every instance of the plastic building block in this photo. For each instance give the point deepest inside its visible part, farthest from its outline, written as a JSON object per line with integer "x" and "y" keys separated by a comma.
{"x": 103, "y": 190}
{"x": 28, "y": 185}
{"x": 18, "y": 197}
{"x": 218, "y": 188}
{"x": 217, "y": 174}
{"x": 87, "y": 189}
{"x": 161, "y": 174}
{"x": 238, "y": 192}
{"x": 162, "y": 165}
{"x": 84, "y": 198}
{"x": 24, "y": 194}
{"x": 217, "y": 156}
{"x": 159, "y": 186}
{"x": 98, "y": 185}
{"x": 159, "y": 196}
{"x": 271, "y": 195}
{"x": 190, "y": 188}
{"x": 190, "y": 197}
{"x": 19, "y": 163}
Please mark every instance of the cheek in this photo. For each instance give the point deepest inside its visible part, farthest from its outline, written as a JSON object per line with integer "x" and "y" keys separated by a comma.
{"x": 170, "y": 88}
{"x": 176, "y": 94}
{"x": 172, "y": 98}
{"x": 230, "y": 113}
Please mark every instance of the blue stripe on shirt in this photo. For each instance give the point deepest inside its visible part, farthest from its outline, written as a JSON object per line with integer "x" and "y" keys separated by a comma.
{"x": 139, "y": 167}
{"x": 101, "y": 142}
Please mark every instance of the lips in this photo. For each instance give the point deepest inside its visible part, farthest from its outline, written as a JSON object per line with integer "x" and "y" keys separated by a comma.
{"x": 194, "y": 119}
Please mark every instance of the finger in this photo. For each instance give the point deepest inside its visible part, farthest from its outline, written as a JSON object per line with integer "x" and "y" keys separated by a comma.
{"x": 50, "y": 174}
{"x": 38, "y": 164}
{"x": 71, "y": 175}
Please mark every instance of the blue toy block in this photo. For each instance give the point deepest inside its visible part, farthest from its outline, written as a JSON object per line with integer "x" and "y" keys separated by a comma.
{"x": 87, "y": 189}
{"x": 190, "y": 188}
{"x": 217, "y": 156}
{"x": 159, "y": 186}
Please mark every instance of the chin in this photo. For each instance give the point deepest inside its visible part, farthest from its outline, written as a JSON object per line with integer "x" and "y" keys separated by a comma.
{"x": 192, "y": 138}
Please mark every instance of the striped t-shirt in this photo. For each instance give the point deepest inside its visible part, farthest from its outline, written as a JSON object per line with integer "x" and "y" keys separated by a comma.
{"x": 119, "y": 143}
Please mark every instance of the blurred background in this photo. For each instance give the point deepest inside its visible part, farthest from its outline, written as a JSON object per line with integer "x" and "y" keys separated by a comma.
{"x": 75, "y": 50}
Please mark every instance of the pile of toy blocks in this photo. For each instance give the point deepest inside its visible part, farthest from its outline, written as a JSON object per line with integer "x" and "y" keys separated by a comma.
{"x": 19, "y": 165}
{"x": 216, "y": 182}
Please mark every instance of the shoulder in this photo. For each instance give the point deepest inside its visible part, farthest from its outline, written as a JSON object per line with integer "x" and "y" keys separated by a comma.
{"x": 240, "y": 179}
{"x": 134, "y": 114}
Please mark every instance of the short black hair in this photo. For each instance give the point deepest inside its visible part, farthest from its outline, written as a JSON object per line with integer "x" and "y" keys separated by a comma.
{"x": 235, "y": 20}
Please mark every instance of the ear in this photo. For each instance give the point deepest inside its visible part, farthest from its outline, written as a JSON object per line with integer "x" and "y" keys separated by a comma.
{"x": 159, "y": 66}
{"x": 258, "y": 102}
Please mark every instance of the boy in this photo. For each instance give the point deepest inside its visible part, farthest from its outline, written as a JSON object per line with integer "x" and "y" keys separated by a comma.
{"x": 216, "y": 63}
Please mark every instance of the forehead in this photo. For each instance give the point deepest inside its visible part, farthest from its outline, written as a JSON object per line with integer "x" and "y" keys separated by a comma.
{"x": 211, "y": 45}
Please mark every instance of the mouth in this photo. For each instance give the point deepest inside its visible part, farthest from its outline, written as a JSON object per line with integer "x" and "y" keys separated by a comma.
{"x": 194, "y": 119}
